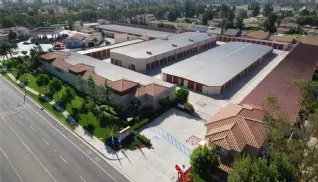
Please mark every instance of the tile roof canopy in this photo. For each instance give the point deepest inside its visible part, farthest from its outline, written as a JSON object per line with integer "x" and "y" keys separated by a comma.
{"x": 134, "y": 31}
{"x": 78, "y": 36}
{"x": 258, "y": 35}
{"x": 61, "y": 64}
{"x": 297, "y": 65}
{"x": 159, "y": 46}
{"x": 217, "y": 66}
{"x": 309, "y": 40}
{"x": 237, "y": 126}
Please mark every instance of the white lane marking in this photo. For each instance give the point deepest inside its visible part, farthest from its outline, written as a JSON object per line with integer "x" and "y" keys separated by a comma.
{"x": 63, "y": 159}
{"x": 28, "y": 149}
{"x": 6, "y": 157}
{"x": 20, "y": 116}
{"x": 57, "y": 129}
{"x": 82, "y": 179}
{"x": 47, "y": 143}
{"x": 32, "y": 128}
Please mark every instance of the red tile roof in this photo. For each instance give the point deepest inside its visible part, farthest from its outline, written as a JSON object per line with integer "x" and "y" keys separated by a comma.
{"x": 80, "y": 68}
{"x": 78, "y": 36}
{"x": 54, "y": 55}
{"x": 61, "y": 64}
{"x": 258, "y": 35}
{"x": 235, "y": 127}
{"x": 297, "y": 65}
{"x": 122, "y": 85}
{"x": 308, "y": 40}
{"x": 99, "y": 80}
{"x": 151, "y": 89}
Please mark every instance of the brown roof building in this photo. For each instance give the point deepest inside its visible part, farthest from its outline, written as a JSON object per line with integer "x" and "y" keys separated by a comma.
{"x": 69, "y": 65}
{"x": 236, "y": 129}
{"x": 281, "y": 39}
{"x": 258, "y": 35}
{"x": 297, "y": 65}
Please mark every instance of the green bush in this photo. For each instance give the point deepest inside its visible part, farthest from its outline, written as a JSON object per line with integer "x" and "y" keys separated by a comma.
{"x": 189, "y": 107}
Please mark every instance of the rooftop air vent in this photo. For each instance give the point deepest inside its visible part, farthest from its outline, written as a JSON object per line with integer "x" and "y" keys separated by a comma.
{"x": 191, "y": 40}
{"x": 174, "y": 45}
{"x": 148, "y": 52}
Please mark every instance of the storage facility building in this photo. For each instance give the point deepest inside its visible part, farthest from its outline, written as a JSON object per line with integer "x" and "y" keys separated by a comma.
{"x": 145, "y": 34}
{"x": 102, "y": 52}
{"x": 147, "y": 55}
{"x": 215, "y": 70}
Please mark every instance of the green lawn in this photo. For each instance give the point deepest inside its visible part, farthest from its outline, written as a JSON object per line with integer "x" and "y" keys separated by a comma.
{"x": 294, "y": 35}
{"x": 100, "y": 129}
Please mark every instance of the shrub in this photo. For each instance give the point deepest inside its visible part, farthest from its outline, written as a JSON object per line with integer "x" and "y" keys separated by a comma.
{"x": 181, "y": 96}
{"x": 189, "y": 107}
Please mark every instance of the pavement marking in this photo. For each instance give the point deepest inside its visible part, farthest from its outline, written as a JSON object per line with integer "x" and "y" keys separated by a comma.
{"x": 63, "y": 159}
{"x": 45, "y": 141}
{"x": 15, "y": 170}
{"x": 32, "y": 128}
{"x": 82, "y": 179}
{"x": 28, "y": 149}
{"x": 20, "y": 116}
{"x": 61, "y": 134}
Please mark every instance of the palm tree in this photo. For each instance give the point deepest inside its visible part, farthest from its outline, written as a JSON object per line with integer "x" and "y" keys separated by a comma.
{"x": 6, "y": 48}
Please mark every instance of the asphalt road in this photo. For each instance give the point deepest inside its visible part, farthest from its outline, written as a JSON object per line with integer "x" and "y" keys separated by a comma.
{"x": 34, "y": 147}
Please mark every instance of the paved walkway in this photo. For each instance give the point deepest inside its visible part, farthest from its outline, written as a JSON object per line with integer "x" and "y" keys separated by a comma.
{"x": 79, "y": 130}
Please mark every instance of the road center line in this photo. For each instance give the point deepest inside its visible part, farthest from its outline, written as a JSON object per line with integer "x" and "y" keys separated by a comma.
{"x": 6, "y": 157}
{"x": 32, "y": 128}
{"x": 82, "y": 179}
{"x": 63, "y": 159}
{"x": 45, "y": 141}
{"x": 29, "y": 149}
{"x": 61, "y": 134}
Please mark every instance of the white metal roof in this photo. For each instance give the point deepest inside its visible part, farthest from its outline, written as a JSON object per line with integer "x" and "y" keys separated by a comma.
{"x": 113, "y": 72}
{"x": 110, "y": 46}
{"x": 159, "y": 46}
{"x": 134, "y": 30}
{"x": 219, "y": 65}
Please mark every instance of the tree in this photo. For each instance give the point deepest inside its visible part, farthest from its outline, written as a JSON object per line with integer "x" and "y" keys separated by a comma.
{"x": 104, "y": 93}
{"x": 55, "y": 86}
{"x": 24, "y": 52}
{"x": 12, "y": 35}
{"x": 189, "y": 9}
{"x": 268, "y": 8}
{"x": 272, "y": 168}
{"x": 181, "y": 96}
{"x": 205, "y": 162}
{"x": 35, "y": 54}
{"x": 67, "y": 96}
{"x": 208, "y": 15}
{"x": 302, "y": 155}
{"x": 224, "y": 14}
{"x": 43, "y": 80}
{"x": 240, "y": 23}
{"x": 270, "y": 23}
{"x": 91, "y": 87}
{"x": 255, "y": 8}
{"x": 6, "y": 48}
{"x": 199, "y": 9}
{"x": 80, "y": 83}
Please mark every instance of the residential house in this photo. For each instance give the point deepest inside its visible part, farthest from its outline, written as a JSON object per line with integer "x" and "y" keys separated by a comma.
{"x": 228, "y": 32}
{"x": 281, "y": 39}
{"x": 125, "y": 84}
{"x": 94, "y": 39}
{"x": 215, "y": 22}
{"x": 285, "y": 27}
{"x": 75, "y": 41}
{"x": 145, "y": 18}
{"x": 261, "y": 35}
{"x": 234, "y": 130}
